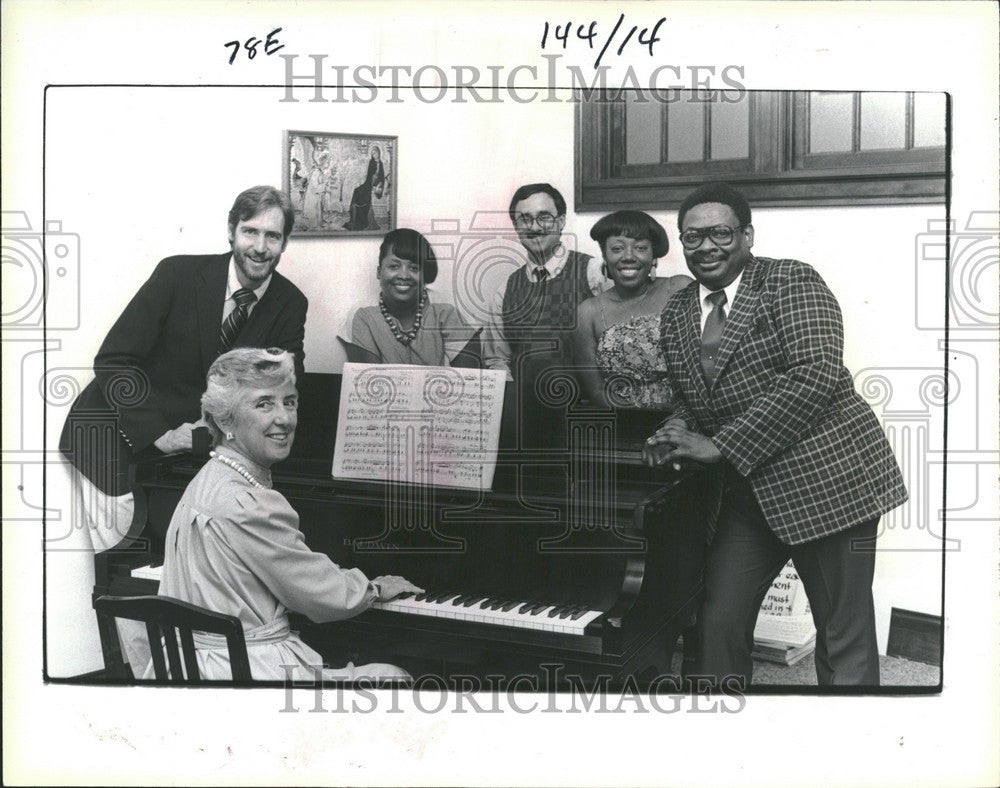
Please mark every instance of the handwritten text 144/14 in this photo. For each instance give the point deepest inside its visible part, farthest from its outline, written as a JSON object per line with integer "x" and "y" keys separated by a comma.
{"x": 647, "y": 36}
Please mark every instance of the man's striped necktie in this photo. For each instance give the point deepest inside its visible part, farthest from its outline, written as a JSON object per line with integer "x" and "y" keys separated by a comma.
{"x": 233, "y": 324}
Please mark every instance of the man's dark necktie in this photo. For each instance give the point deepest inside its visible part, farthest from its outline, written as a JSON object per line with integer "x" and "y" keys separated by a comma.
{"x": 233, "y": 324}
{"x": 537, "y": 297}
{"x": 711, "y": 335}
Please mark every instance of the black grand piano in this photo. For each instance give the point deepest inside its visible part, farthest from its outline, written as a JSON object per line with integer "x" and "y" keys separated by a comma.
{"x": 580, "y": 567}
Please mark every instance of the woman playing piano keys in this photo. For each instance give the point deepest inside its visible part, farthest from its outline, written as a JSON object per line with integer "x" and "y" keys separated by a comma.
{"x": 234, "y": 544}
{"x": 405, "y": 327}
{"x": 617, "y": 339}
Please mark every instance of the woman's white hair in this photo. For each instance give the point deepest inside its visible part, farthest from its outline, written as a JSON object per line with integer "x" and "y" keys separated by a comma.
{"x": 237, "y": 371}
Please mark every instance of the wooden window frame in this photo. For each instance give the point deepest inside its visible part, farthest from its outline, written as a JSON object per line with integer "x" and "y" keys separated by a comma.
{"x": 778, "y": 172}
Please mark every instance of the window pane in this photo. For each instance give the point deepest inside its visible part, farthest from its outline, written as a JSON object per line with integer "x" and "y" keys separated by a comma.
{"x": 928, "y": 119}
{"x": 731, "y": 129}
{"x": 643, "y": 125}
{"x": 883, "y": 121}
{"x": 686, "y": 128}
{"x": 831, "y": 121}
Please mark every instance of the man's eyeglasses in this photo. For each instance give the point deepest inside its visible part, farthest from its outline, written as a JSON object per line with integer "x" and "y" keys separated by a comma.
{"x": 720, "y": 234}
{"x": 545, "y": 221}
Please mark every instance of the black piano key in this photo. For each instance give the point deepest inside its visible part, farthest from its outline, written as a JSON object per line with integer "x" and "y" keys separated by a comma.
{"x": 578, "y": 613}
{"x": 444, "y": 596}
{"x": 472, "y": 600}
{"x": 567, "y": 611}
{"x": 555, "y": 611}
{"x": 506, "y": 607}
{"x": 408, "y": 594}
{"x": 525, "y": 607}
{"x": 498, "y": 604}
{"x": 422, "y": 597}
{"x": 155, "y": 563}
{"x": 537, "y": 608}
{"x": 460, "y": 600}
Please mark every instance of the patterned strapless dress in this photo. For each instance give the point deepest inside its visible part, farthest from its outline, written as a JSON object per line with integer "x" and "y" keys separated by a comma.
{"x": 630, "y": 359}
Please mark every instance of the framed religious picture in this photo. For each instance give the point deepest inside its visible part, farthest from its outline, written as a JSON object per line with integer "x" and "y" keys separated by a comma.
{"x": 340, "y": 184}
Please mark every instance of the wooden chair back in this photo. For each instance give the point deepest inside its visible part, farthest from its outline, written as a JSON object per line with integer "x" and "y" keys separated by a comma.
{"x": 168, "y": 618}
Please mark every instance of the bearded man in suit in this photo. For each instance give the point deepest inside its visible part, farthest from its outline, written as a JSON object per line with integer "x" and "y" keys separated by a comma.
{"x": 150, "y": 370}
{"x": 754, "y": 350}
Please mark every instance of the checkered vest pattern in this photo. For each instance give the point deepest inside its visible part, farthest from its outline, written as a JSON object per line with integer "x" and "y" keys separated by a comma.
{"x": 543, "y": 310}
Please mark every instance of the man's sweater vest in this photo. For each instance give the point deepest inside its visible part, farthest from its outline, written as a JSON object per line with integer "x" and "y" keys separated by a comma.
{"x": 542, "y": 311}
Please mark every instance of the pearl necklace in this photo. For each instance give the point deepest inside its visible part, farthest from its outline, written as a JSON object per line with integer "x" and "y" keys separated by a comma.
{"x": 238, "y": 468}
{"x": 404, "y": 337}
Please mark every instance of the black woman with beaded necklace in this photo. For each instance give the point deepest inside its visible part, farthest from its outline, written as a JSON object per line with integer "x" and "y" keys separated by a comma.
{"x": 405, "y": 327}
{"x": 616, "y": 344}
{"x": 234, "y": 544}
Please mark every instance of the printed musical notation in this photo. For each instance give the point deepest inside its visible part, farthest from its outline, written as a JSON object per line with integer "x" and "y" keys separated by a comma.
{"x": 419, "y": 425}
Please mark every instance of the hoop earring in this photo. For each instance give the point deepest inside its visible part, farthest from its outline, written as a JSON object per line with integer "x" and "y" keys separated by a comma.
{"x": 229, "y": 436}
{"x": 652, "y": 272}
{"x": 604, "y": 270}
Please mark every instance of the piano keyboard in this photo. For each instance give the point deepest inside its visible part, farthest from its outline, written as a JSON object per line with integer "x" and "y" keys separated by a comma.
{"x": 567, "y": 619}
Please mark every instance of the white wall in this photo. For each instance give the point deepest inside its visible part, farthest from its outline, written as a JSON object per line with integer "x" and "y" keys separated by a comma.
{"x": 142, "y": 174}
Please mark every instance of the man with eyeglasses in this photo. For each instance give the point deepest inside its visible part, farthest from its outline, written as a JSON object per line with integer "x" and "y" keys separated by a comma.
{"x": 755, "y": 354}
{"x": 537, "y": 304}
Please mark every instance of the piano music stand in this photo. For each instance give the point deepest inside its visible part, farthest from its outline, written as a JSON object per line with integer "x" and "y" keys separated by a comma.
{"x": 162, "y": 616}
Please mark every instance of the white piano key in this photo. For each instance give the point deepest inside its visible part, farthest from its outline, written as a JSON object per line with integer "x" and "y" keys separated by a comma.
{"x": 477, "y": 613}
{"x": 148, "y": 572}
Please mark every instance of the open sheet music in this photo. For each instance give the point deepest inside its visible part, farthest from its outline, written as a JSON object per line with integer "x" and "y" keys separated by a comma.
{"x": 419, "y": 425}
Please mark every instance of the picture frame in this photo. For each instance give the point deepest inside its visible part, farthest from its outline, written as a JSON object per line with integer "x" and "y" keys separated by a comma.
{"x": 342, "y": 185}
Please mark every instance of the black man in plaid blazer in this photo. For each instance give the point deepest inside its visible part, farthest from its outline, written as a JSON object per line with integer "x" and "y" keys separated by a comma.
{"x": 806, "y": 469}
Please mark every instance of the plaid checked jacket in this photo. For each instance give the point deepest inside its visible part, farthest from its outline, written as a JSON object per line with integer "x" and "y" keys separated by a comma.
{"x": 783, "y": 410}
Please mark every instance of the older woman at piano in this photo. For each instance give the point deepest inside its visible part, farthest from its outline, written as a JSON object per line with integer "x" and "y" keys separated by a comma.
{"x": 405, "y": 327}
{"x": 234, "y": 544}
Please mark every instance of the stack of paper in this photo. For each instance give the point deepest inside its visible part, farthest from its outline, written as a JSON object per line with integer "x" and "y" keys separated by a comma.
{"x": 784, "y": 632}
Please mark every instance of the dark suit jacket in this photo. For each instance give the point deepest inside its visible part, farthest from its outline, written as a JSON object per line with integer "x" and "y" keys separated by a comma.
{"x": 150, "y": 370}
{"x": 782, "y": 409}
